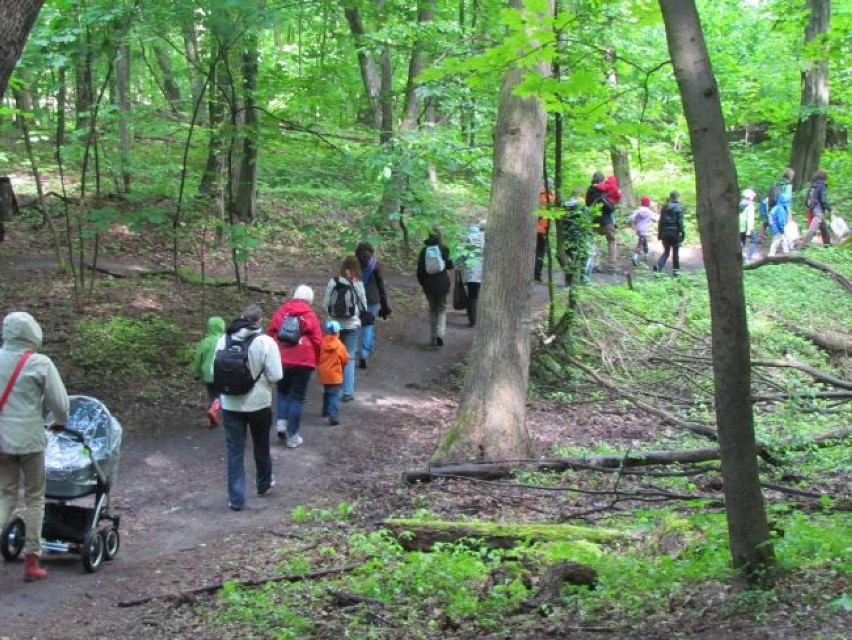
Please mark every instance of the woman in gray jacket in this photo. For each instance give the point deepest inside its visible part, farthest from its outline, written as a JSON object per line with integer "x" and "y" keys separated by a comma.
{"x": 36, "y": 387}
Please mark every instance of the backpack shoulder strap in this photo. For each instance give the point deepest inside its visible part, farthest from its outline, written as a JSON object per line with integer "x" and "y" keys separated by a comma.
{"x": 14, "y": 378}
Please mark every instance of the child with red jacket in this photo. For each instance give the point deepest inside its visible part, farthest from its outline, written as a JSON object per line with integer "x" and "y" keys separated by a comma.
{"x": 333, "y": 357}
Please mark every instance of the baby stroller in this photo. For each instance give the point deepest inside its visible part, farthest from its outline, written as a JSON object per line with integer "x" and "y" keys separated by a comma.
{"x": 81, "y": 460}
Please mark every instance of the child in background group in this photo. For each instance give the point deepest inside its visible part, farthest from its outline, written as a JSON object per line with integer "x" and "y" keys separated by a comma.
{"x": 202, "y": 364}
{"x": 746, "y": 208}
{"x": 777, "y": 223}
{"x": 642, "y": 219}
{"x": 333, "y": 358}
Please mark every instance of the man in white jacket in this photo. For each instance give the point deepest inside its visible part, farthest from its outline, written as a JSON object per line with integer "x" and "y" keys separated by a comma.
{"x": 251, "y": 410}
{"x": 24, "y": 397}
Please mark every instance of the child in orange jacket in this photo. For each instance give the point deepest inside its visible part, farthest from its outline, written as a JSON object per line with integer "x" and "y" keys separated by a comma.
{"x": 333, "y": 357}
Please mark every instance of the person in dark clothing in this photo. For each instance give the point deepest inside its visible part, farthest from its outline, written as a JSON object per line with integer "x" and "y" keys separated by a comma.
{"x": 603, "y": 210}
{"x": 432, "y": 267}
{"x": 377, "y": 298}
{"x": 671, "y": 232}
{"x": 818, "y": 206}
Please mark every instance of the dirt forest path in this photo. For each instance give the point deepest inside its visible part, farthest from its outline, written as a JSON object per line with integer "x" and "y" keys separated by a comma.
{"x": 177, "y": 531}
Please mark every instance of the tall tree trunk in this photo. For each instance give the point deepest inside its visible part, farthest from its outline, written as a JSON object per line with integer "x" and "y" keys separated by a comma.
{"x": 194, "y": 65}
{"x": 84, "y": 91}
{"x": 170, "y": 87}
{"x": 61, "y": 105}
{"x": 416, "y": 65}
{"x": 246, "y": 198}
{"x": 18, "y": 18}
{"x": 370, "y": 75}
{"x": 122, "y": 89}
{"x": 717, "y": 199}
{"x": 491, "y": 421}
{"x": 211, "y": 178}
{"x": 809, "y": 140}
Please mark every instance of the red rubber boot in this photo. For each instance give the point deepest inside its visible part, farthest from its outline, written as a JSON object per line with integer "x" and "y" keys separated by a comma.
{"x": 32, "y": 570}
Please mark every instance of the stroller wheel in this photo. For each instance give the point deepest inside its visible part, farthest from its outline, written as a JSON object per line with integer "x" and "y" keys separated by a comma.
{"x": 112, "y": 543}
{"x": 13, "y": 539}
{"x": 92, "y": 551}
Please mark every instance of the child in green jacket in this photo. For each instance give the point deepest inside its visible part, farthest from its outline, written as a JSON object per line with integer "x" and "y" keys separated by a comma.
{"x": 202, "y": 363}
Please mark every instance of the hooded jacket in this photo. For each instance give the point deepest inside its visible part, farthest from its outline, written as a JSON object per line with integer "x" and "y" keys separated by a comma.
{"x": 434, "y": 283}
{"x": 306, "y": 352}
{"x": 264, "y": 363}
{"x": 643, "y": 218}
{"x": 333, "y": 357}
{"x": 205, "y": 350}
{"x": 819, "y": 198}
{"x": 39, "y": 387}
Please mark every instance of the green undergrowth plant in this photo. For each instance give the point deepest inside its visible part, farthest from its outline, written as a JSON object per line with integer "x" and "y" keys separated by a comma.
{"x": 126, "y": 348}
{"x": 672, "y": 557}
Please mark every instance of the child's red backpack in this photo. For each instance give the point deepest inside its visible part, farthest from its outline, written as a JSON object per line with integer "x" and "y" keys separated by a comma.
{"x": 610, "y": 189}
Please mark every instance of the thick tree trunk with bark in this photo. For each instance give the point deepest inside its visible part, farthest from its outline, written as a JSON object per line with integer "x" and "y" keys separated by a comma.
{"x": 717, "y": 200}
{"x": 491, "y": 419}
{"x": 809, "y": 140}
{"x": 18, "y": 17}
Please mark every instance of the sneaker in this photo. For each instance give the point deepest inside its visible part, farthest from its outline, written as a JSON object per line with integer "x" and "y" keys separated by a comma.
{"x": 234, "y": 507}
{"x": 656, "y": 268}
{"x": 294, "y": 441}
{"x": 635, "y": 259}
{"x": 333, "y": 422}
{"x": 347, "y": 398}
{"x": 439, "y": 341}
{"x": 281, "y": 429}
{"x": 362, "y": 363}
{"x": 268, "y": 489}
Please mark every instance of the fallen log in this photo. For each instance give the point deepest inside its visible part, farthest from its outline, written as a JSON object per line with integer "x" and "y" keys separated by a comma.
{"x": 827, "y": 340}
{"x": 842, "y": 280}
{"x": 188, "y": 594}
{"x": 420, "y": 535}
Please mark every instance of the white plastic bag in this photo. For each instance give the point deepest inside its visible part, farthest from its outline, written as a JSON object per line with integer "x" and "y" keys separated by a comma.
{"x": 839, "y": 227}
{"x": 791, "y": 230}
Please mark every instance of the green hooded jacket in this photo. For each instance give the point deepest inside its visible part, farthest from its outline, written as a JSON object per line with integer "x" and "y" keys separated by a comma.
{"x": 202, "y": 363}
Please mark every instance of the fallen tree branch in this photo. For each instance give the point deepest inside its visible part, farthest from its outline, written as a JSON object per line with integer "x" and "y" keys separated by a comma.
{"x": 187, "y": 595}
{"x": 692, "y": 427}
{"x": 418, "y": 535}
{"x": 816, "y": 374}
{"x": 827, "y": 340}
{"x": 842, "y": 280}
{"x": 345, "y": 598}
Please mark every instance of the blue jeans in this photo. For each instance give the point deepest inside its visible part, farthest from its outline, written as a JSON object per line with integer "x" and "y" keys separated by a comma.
{"x": 292, "y": 389}
{"x": 331, "y": 400}
{"x": 368, "y": 332}
{"x": 234, "y": 424}
{"x": 349, "y": 338}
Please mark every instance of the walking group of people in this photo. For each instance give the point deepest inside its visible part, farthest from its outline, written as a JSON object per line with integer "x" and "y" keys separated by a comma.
{"x": 776, "y": 216}
{"x": 245, "y": 363}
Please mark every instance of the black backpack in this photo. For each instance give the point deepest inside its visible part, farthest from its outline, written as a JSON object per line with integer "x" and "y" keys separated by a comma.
{"x": 291, "y": 330}
{"x": 668, "y": 216}
{"x": 231, "y": 372}
{"x": 341, "y": 303}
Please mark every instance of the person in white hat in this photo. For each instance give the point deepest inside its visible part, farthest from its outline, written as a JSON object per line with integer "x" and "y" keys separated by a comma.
{"x": 746, "y": 208}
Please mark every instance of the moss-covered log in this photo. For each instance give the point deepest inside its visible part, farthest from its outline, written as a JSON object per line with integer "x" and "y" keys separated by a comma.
{"x": 421, "y": 535}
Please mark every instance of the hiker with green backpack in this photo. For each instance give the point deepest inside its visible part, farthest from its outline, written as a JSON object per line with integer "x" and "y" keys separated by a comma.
{"x": 432, "y": 265}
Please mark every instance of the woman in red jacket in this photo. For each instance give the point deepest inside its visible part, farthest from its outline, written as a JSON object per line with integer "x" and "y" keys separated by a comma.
{"x": 299, "y": 361}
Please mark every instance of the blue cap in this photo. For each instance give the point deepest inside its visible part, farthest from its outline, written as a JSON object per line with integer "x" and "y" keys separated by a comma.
{"x": 332, "y": 326}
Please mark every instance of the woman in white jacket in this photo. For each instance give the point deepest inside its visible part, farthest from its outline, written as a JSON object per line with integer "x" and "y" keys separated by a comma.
{"x": 471, "y": 262}
{"x": 37, "y": 386}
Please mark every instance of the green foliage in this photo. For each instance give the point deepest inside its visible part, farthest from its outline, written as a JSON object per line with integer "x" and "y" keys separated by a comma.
{"x": 124, "y": 348}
